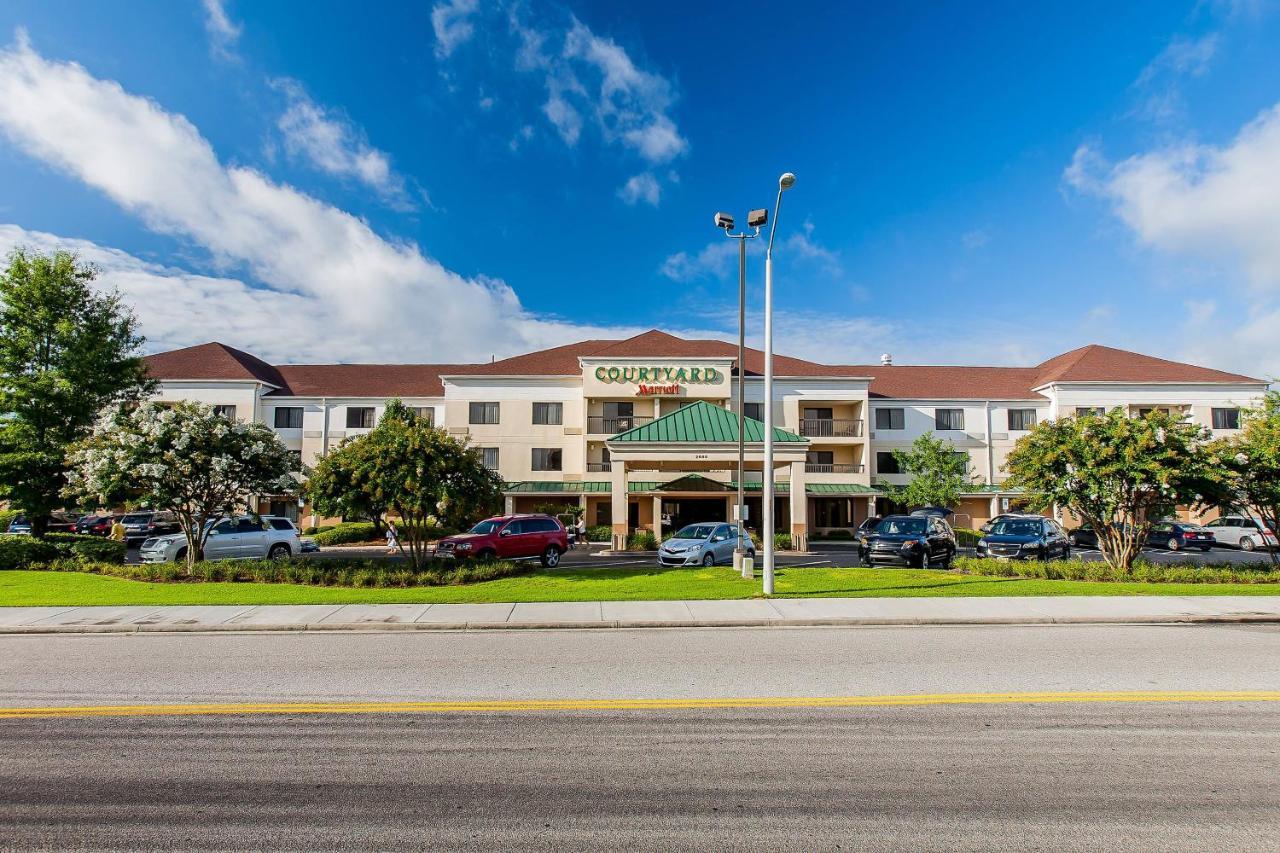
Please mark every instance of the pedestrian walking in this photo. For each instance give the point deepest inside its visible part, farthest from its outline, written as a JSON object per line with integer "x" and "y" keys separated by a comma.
{"x": 393, "y": 537}
{"x": 581, "y": 528}
{"x": 117, "y": 529}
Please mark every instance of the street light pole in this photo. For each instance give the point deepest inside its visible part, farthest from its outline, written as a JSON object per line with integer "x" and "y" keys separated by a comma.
{"x": 755, "y": 219}
{"x": 784, "y": 183}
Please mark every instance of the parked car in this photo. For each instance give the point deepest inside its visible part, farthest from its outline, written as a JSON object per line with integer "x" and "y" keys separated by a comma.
{"x": 1242, "y": 531}
{"x": 986, "y": 528}
{"x": 309, "y": 545}
{"x": 1084, "y": 536}
{"x": 1176, "y": 535}
{"x": 509, "y": 537}
{"x": 866, "y": 527}
{"x": 144, "y": 525}
{"x": 707, "y": 544}
{"x": 909, "y": 540}
{"x": 95, "y": 525}
{"x": 1024, "y": 537}
{"x": 244, "y": 537}
{"x": 56, "y": 523}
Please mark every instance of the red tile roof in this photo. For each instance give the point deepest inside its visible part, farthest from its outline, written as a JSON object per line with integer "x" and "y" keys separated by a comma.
{"x": 1090, "y": 363}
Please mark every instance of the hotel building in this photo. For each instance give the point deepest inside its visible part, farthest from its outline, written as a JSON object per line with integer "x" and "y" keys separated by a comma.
{"x": 642, "y": 432}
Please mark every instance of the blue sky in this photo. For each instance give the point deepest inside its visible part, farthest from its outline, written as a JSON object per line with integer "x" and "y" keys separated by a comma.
{"x": 454, "y": 180}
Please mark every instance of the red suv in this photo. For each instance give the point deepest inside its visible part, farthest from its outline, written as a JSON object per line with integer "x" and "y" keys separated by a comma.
{"x": 509, "y": 537}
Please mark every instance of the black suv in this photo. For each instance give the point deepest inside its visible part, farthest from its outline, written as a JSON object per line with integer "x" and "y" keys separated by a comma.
{"x": 921, "y": 541}
{"x": 1024, "y": 537}
{"x": 141, "y": 526}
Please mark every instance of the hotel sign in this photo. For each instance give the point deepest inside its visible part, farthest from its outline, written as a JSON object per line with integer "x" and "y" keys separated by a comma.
{"x": 660, "y": 376}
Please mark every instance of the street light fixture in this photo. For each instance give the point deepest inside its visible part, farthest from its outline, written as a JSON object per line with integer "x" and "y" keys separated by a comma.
{"x": 755, "y": 219}
{"x": 786, "y": 182}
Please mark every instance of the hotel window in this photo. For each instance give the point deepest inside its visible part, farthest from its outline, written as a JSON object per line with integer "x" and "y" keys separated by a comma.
{"x": 1084, "y": 411}
{"x": 288, "y": 417}
{"x": 359, "y": 417}
{"x": 548, "y": 413}
{"x": 548, "y": 459}
{"x": 891, "y": 418}
{"x": 425, "y": 413}
{"x": 489, "y": 456}
{"x": 1226, "y": 419}
{"x": 1021, "y": 419}
{"x": 948, "y": 419}
{"x": 228, "y": 412}
{"x": 887, "y": 463}
{"x": 484, "y": 413}
{"x": 755, "y": 411}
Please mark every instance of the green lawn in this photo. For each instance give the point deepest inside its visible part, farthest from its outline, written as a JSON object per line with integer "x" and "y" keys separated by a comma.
{"x": 22, "y": 588}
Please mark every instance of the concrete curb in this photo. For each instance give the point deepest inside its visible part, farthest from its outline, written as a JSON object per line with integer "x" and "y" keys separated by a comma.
{"x": 870, "y": 621}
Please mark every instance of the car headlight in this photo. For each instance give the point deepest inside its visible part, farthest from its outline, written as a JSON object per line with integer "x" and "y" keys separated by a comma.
{"x": 909, "y": 544}
{"x": 465, "y": 546}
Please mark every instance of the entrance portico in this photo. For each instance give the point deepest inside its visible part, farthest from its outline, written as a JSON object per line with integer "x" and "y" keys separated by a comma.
{"x": 701, "y": 440}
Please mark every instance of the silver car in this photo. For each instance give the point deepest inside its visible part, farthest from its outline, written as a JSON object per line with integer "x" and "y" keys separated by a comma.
{"x": 703, "y": 544}
{"x": 239, "y": 538}
{"x": 1242, "y": 531}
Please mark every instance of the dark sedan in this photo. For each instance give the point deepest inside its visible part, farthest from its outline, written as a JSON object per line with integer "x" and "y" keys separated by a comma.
{"x": 1084, "y": 536}
{"x": 909, "y": 540}
{"x": 1176, "y": 535}
{"x": 95, "y": 525}
{"x": 1024, "y": 538}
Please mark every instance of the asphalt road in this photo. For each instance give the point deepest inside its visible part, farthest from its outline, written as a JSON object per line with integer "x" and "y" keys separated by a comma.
{"x": 1005, "y": 775}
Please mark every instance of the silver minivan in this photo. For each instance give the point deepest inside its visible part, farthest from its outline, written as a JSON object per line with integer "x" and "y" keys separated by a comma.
{"x": 704, "y": 544}
{"x": 244, "y": 537}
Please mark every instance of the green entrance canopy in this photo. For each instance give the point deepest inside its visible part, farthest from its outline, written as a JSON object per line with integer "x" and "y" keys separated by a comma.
{"x": 703, "y": 423}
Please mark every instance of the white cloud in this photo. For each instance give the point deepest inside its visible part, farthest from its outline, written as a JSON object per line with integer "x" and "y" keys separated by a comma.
{"x": 358, "y": 294}
{"x": 223, "y": 32}
{"x": 452, "y": 24}
{"x": 1159, "y": 85}
{"x": 718, "y": 259}
{"x": 1199, "y": 200}
{"x": 330, "y": 142}
{"x": 641, "y": 187}
{"x": 976, "y": 239}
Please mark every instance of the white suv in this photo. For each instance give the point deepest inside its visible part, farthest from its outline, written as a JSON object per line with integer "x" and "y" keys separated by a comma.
{"x": 1242, "y": 531}
{"x": 244, "y": 537}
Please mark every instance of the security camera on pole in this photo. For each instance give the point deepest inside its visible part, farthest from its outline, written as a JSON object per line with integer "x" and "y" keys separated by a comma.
{"x": 784, "y": 183}
{"x": 755, "y": 219}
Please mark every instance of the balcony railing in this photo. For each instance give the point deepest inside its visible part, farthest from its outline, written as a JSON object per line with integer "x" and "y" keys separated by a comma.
{"x": 599, "y": 467}
{"x": 833, "y": 468}
{"x": 597, "y": 425}
{"x": 831, "y": 427}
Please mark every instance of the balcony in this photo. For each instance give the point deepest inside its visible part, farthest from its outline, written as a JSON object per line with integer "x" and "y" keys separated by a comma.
{"x": 599, "y": 467}
{"x": 831, "y": 427}
{"x": 597, "y": 425}
{"x": 833, "y": 468}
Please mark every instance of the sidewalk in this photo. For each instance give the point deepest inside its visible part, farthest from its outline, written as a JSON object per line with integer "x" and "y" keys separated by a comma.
{"x": 1030, "y": 610}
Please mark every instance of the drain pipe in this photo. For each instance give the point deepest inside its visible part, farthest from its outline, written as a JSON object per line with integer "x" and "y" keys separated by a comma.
{"x": 991, "y": 456}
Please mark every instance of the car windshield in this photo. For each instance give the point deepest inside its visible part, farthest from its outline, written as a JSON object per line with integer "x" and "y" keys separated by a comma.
{"x": 901, "y": 526}
{"x": 1018, "y": 527}
{"x": 695, "y": 531}
{"x": 487, "y": 526}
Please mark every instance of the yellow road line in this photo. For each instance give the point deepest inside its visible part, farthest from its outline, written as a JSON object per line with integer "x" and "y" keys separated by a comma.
{"x": 525, "y": 705}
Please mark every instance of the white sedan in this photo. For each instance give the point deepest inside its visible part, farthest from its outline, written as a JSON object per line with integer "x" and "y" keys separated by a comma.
{"x": 1243, "y": 532}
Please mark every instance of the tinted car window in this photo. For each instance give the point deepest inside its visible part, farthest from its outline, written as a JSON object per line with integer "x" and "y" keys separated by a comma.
{"x": 248, "y": 525}
{"x": 540, "y": 525}
{"x": 1018, "y": 527}
{"x": 282, "y": 524}
{"x": 486, "y": 526}
{"x": 226, "y": 526}
{"x": 901, "y": 526}
{"x": 137, "y": 518}
{"x": 515, "y": 528}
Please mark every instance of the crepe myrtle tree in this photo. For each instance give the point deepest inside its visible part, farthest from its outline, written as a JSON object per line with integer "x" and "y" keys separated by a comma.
{"x": 182, "y": 457}
{"x": 1117, "y": 473}
{"x": 1252, "y": 459}
{"x": 939, "y": 474}
{"x": 417, "y": 472}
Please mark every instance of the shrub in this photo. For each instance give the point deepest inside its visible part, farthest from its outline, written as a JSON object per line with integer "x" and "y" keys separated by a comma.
{"x": 346, "y": 533}
{"x": 782, "y": 541}
{"x": 599, "y": 533}
{"x": 92, "y": 549}
{"x": 18, "y": 552}
{"x": 1142, "y": 571}
{"x": 643, "y": 540}
{"x": 6, "y": 516}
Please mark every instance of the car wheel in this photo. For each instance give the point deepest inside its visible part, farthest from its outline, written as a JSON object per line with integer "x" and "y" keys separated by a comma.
{"x": 181, "y": 556}
{"x": 1246, "y": 543}
{"x": 924, "y": 560}
{"x": 708, "y": 560}
{"x": 278, "y": 551}
{"x": 1066, "y": 553}
{"x": 1075, "y": 543}
{"x": 551, "y": 557}
{"x": 1172, "y": 544}
{"x": 945, "y": 565}
{"x": 487, "y": 555}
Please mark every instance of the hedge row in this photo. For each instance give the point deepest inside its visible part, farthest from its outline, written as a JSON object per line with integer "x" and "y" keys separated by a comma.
{"x": 348, "y": 573}
{"x": 1142, "y": 571}
{"x": 20, "y": 552}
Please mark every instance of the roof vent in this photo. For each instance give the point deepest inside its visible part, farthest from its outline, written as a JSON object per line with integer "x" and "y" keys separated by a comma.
{"x": 886, "y": 359}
